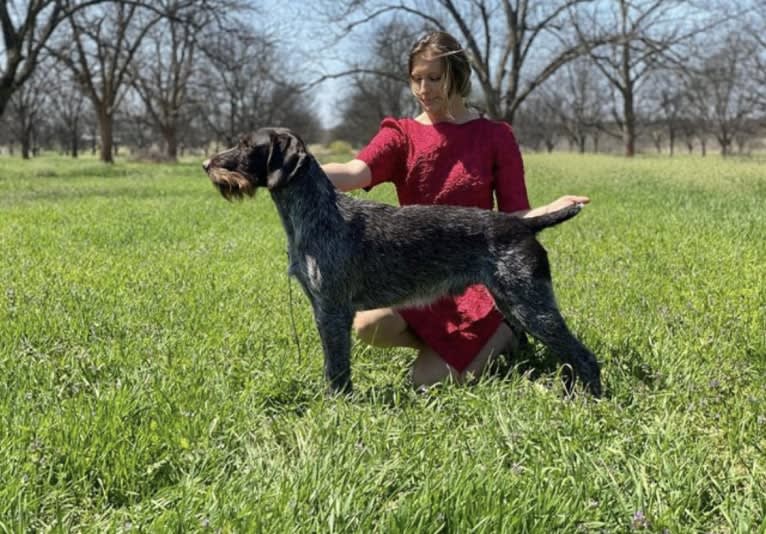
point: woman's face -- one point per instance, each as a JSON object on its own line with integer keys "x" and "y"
{"x": 427, "y": 84}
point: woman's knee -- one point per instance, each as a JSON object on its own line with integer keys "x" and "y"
{"x": 428, "y": 369}
{"x": 364, "y": 327}
{"x": 378, "y": 327}
{"x": 502, "y": 341}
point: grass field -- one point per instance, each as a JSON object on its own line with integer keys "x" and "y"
{"x": 149, "y": 379}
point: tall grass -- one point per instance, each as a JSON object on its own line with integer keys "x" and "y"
{"x": 149, "y": 379}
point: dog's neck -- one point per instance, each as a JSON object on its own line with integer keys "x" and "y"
{"x": 309, "y": 196}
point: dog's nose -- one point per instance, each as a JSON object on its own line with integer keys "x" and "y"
{"x": 206, "y": 165}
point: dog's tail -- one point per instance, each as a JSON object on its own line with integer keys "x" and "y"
{"x": 541, "y": 222}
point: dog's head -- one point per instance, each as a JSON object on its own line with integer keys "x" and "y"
{"x": 269, "y": 157}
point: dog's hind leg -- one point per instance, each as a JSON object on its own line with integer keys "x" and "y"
{"x": 334, "y": 327}
{"x": 531, "y": 302}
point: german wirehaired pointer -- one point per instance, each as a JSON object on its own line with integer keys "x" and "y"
{"x": 351, "y": 254}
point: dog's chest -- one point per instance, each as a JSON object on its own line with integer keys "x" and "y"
{"x": 306, "y": 268}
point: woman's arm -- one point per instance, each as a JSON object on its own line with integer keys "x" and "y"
{"x": 353, "y": 174}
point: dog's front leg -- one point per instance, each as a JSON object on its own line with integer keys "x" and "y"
{"x": 334, "y": 325}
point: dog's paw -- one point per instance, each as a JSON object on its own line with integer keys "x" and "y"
{"x": 340, "y": 389}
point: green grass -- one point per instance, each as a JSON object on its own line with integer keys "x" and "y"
{"x": 149, "y": 379}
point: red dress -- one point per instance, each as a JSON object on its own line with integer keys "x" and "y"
{"x": 460, "y": 165}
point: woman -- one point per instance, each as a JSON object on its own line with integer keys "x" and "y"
{"x": 446, "y": 155}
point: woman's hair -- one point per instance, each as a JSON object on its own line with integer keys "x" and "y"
{"x": 457, "y": 68}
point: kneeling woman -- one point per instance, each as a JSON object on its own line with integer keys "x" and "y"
{"x": 446, "y": 155}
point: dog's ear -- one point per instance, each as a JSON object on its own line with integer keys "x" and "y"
{"x": 287, "y": 156}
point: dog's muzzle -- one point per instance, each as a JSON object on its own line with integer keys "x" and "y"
{"x": 231, "y": 184}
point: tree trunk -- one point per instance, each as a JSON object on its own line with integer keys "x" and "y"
{"x": 672, "y": 141}
{"x": 25, "y": 146}
{"x": 105, "y": 125}
{"x": 550, "y": 146}
{"x": 75, "y": 142}
{"x": 725, "y": 146}
{"x": 171, "y": 140}
{"x": 629, "y": 128}
{"x": 492, "y": 103}
{"x": 26, "y": 141}
{"x": 5, "y": 96}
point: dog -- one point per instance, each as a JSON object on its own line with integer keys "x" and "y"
{"x": 350, "y": 254}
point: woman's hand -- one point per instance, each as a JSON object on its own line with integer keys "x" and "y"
{"x": 556, "y": 205}
{"x": 565, "y": 201}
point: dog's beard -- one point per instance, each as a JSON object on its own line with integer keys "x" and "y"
{"x": 231, "y": 184}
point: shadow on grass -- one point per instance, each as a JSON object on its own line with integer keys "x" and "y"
{"x": 293, "y": 397}
{"x": 627, "y": 359}
{"x": 537, "y": 363}
{"x": 533, "y": 362}
{"x": 392, "y": 396}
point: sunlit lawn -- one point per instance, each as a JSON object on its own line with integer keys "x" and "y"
{"x": 149, "y": 377}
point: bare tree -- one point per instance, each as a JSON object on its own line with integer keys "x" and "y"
{"x": 375, "y": 96}
{"x": 672, "y": 105}
{"x": 289, "y": 107}
{"x": 167, "y": 63}
{"x": 668, "y": 107}
{"x": 537, "y": 123}
{"x": 514, "y": 45}
{"x": 689, "y": 128}
{"x": 162, "y": 74}
{"x": 241, "y": 89}
{"x": 756, "y": 30}
{"x": 137, "y": 129}
{"x": 28, "y": 26}
{"x": 26, "y": 111}
{"x": 103, "y": 44}
{"x": 576, "y": 95}
{"x": 235, "y": 82}
{"x": 722, "y": 89}
{"x": 646, "y": 36}
{"x": 68, "y": 111}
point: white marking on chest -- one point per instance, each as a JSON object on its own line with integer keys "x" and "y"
{"x": 312, "y": 269}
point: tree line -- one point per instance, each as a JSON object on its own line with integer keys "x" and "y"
{"x": 163, "y": 76}
{"x": 168, "y": 73}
